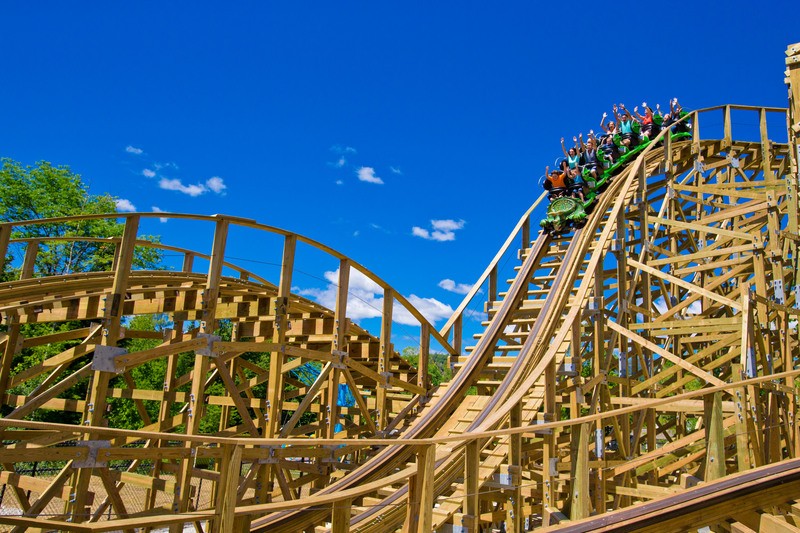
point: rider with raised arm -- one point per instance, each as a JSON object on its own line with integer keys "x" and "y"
{"x": 607, "y": 145}
{"x": 555, "y": 182}
{"x": 572, "y": 155}
{"x": 649, "y": 128}
{"x": 590, "y": 159}
{"x": 629, "y": 137}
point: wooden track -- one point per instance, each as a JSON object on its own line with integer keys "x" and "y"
{"x": 637, "y": 374}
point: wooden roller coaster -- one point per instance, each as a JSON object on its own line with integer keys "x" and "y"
{"x": 637, "y": 374}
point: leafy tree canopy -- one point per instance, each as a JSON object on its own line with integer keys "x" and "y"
{"x": 47, "y": 191}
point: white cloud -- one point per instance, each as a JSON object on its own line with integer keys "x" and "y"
{"x": 452, "y": 286}
{"x": 216, "y": 184}
{"x": 124, "y": 205}
{"x": 395, "y": 170}
{"x": 431, "y": 308}
{"x": 447, "y": 225}
{"x": 355, "y": 233}
{"x": 420, "y": 232}
{"x": 368, "y": 174}
{"x": 365, "y": 300}
{"x": 443, "y": 230}
{"x": 132, "y": 150}
{"x": 340, "y": 163}
{"x": 339, "y": 182}
{"x": 147, "y": 173}
{"x": 157, "y": 210}
{"x": 339, "y": 149}
{"x": 176, "y": 185}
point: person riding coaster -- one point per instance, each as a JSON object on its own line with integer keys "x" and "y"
{"x": 628, "y": 128}
{"x": 650, "y": 128}
{"x": 592, "y": 161}
{"x": 556, "y": 183}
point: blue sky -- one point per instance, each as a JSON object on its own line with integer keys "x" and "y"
{"x": 354, "y": 123}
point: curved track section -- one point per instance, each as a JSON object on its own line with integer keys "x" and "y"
{"x": 649, "y": 351}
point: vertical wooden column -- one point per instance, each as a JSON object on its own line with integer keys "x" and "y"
{"x": 458, "y": 334}
{"x": 471, "y": 503}
{"x": 514, "y": 503}
{"x": 696, "y": 135}
{"x": 492, "y": 292}
{"x": 228, "y": 485}
{"x": 549, "y": 453}
{"x": 727, "y": 140}
{"x": 581, "y": 501}
{"x": 5, "y": 237}
{"x": 426, "y": 469}
{"x": 340, "y": 521}
{"x": 384, "y": 357}
{"x": 715, "y": 445}
{"x": 97, "y": 395}
{"x": 275, "y": 387}
{"x": 793, "y": 177}
{"x": 424, "y": 355}
{"x": 195, "y": 407}
{"x": 339, "y": 343}
{"x": 743, "y": 453}
{"x": 526, "y": 233}
{"x": 12, "y": 321}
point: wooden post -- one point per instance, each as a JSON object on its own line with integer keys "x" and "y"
{"x": 384, "y": 357}
{"x": 228, "y": 485}
{"x": 549, "y": 453}
{"x": 471, "y": 483}
{"x": 340, "y": 522}
{"x": 581, "y": 501}
{"x": 339, "y": 343}
{"x": 277, "y": 357}
{"x": 426, "y": 468}
{"x": 526, "y": 233}
{"x": 715, "y": 444}
{"x": 458, "y": 334}
{"x": 727, "y": 140}
{"x": 424, "y": 355}
{"x": 5, "y": 236}
{"x": 514, "y": 505}
{"x": 492, "y": 292}
{"x": 96, "y": 405}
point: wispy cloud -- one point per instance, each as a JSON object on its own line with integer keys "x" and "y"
{"x": 368, "y": 174}
{"x": 396, "y": 170}
{"x": 147, "y": 173}
{"x": 339, "y": 182}
{"x": 177, "y": 185}
{"x": 216, "y": 184}
{"x": 365, "y": 300}
{"x": 158, "y": 210}
{"x": 133, "y": 150}
{"x": 339, "y": 149}
{"x": 452, "y": 286}
{"x": 442, "y": 230}
{"x": 124, "y": 206}
{"x": 340, "y": 163}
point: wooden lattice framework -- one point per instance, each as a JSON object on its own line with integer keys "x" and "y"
{"x": 639, "y": 373}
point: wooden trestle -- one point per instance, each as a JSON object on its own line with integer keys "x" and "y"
{"x": 639, "y": 373}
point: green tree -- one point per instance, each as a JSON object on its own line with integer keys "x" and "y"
{"x": 47, "y": 191}
{"x": 438, "y": 367}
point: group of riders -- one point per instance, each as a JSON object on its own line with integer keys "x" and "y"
{"x": 619, "y": 136}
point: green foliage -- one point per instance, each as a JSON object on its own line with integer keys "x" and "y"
{"x": 438, "y": 367}
{"x": 47, "y": 191}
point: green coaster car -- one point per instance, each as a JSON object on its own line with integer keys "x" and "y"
{"x": 565, "y": 211}
{"x": 561, "y": 213}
